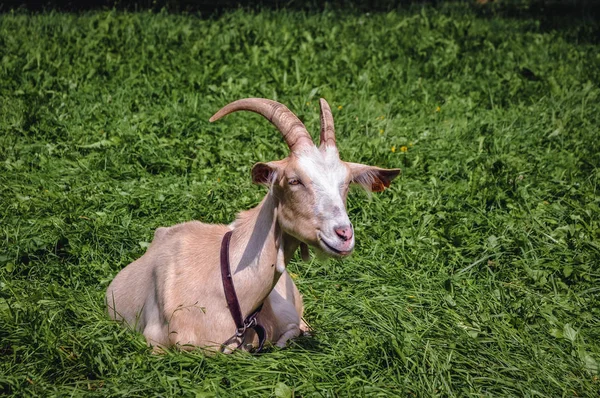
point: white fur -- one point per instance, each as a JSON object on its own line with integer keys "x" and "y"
{"x": 328, "y": 176}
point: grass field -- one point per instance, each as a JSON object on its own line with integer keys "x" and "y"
{"x": 476, "y": 274}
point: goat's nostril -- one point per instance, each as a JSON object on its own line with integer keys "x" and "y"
{"x": 345, "y": 233}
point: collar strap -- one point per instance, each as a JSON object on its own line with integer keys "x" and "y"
{"x": 241, "y": 324}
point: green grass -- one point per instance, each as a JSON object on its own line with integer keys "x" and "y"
{"x": 475, "y": 274}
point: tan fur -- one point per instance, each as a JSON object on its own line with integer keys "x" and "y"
{"x": 173, "y": 294}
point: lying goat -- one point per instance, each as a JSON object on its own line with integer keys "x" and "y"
{"x": 181, "y": 291}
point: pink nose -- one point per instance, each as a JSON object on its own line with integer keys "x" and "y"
{"x": 345, "y": 233}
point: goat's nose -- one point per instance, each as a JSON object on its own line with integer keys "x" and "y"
{"x": 345, "y": 232}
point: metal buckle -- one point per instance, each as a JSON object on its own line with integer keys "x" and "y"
{"x": 241, "y": 331}
{"x": 250, "y": 323}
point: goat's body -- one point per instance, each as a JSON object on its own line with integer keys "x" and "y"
{"x": 173, "y": 294}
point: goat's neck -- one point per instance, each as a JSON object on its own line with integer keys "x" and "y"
{"x": 259, "y": 253}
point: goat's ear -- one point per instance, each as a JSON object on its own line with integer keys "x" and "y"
{"x": 266, "y": 173}
{"x": 371, "y": 178}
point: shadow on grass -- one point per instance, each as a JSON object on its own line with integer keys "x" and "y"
{"x": 305, "y": 342}
{"x": 309, "y": 343}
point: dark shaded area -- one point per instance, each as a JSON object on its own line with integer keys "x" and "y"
{"x": 552, "y": 14}
{"x": 513, "y": 8}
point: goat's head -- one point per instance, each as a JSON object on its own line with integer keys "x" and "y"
{"x": 312, "y": 183}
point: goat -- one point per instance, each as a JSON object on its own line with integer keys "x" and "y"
{"x": 174, "y": 294}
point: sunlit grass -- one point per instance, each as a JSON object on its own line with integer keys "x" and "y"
{"x": 476, "y": 273}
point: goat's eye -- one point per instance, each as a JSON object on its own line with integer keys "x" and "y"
{"x": 294, "y": 181}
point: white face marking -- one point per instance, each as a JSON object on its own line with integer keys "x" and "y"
{"x": 327, "y": 175}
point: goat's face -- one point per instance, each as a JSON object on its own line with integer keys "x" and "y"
{"x": 311, "y": 185}
{"x": 311, "y": 188}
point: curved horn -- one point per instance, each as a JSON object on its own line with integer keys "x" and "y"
{"x": 293, "y": 130}
{"x": 327, "y": 128}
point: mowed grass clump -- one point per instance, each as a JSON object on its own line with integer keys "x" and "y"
{"x": 476, "y": 273}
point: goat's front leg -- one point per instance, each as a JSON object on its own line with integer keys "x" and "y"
{"x": 282, "y": 312}
{"x": 292, "y": 332}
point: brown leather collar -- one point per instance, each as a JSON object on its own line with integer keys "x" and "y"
{"x": 241, "y": 324}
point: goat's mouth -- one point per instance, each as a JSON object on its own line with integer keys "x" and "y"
{"x": 328, "y": 247}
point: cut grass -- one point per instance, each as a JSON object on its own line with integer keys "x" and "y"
{"x": 476, "y": 273}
